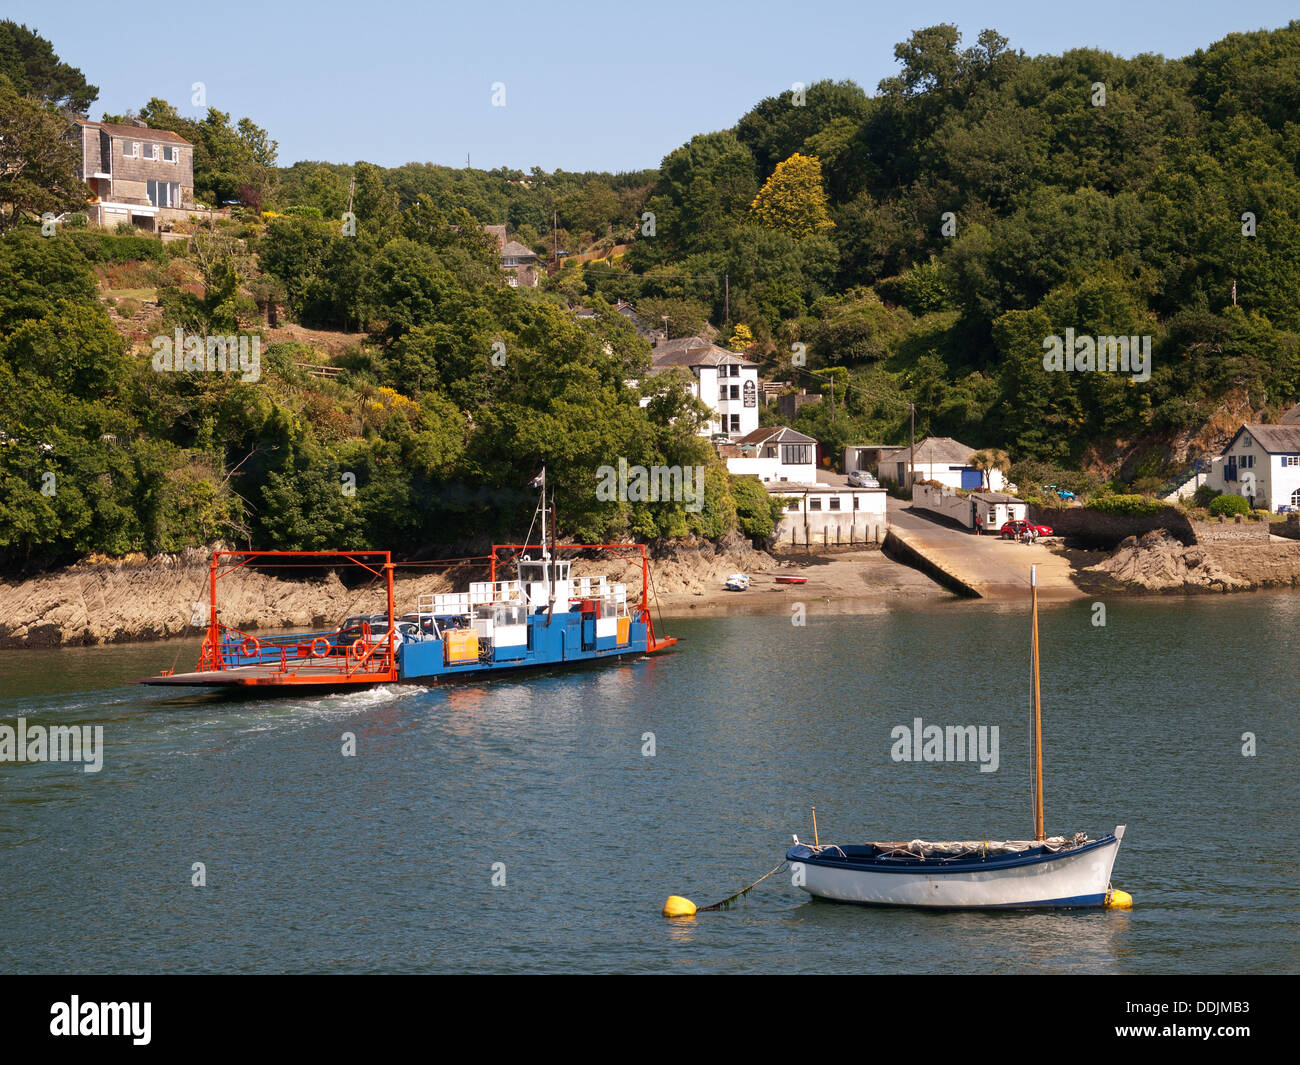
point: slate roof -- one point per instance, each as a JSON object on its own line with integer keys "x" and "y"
{"x": 1275, "y": 439}
{"x": 695, "y": 351}
{"x": 140, "y": 133}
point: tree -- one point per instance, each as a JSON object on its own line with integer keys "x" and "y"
{"x": 988, "y": 460}
{"x": 793, "y": 200}
{"x": 29, "y": 62}
{"x": 38, "y": 165}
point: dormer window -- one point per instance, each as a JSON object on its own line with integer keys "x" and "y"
{"x": 170, "y": 154}
{"x": 1245, "y": 440}
{"x": 150, "y": 151}
{"x": 130, "y": 149}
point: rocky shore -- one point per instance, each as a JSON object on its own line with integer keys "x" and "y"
{"x": 101, "y": 601}
{"x": 1158, "y": 562}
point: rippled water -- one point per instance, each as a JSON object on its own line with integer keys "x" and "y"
{"x": 385, "y": 861}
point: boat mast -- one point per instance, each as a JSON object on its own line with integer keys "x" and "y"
{"x": 1038, "y": 715}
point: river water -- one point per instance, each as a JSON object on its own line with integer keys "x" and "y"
{"x": 525, "y": 826}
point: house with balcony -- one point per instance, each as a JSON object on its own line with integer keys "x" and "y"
{"x": 723, "y": 381}
{"x": 775, "y": 455}
{"x": 137, "y": 175}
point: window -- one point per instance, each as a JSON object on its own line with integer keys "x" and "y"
{"x": 1246, "y": 462}
{"x": 733, "y": 392}
{"x": 796, "y": 454}
{"x": 1295, "y": 498}
{"x": 834, "y": 502}
{"x": 733, "y": 370}
{"x": 735, "y": 423}
{"x": 814, "y": 504}
{"x": 1291, "y": 460}
{"x": 171, "y": 153}
{"x": 130, "y": 149}
{"x": 150, "y": 151}
{"x": 857, "y": 502}
{"x": 164, "y": 193}
{"x": 793, "y": 505}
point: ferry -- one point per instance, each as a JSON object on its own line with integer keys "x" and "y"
{"x": 541, "y": 616}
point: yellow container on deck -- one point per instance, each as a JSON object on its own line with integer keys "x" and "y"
{"x": 624, "y": 628}
{"x": 461, "y": 646}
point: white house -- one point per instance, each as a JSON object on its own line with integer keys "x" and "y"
{"x": 937, "y": 458}
{"x": 724, "y": 382}
{"x": 829, "y": 514}
{"x": 773, "y": 455}
{"x": 993, "y": 508}
{"x": 1262, "y": 463}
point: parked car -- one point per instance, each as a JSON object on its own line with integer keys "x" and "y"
{"x": 1014, "y": 530}
{"x": 862, "y": 479}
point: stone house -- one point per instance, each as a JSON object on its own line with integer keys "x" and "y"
{"x": 138, "y": 175}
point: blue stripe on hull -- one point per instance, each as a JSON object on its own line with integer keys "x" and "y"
{"x": 1076, "y": 902}
{"x": 558, "y": 644}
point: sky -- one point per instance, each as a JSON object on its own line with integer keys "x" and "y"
{"x": 584, "y": 86}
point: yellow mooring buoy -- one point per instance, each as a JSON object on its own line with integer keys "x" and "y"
{"x": 1118, "y": 900}
{"x": 676, "y": 906}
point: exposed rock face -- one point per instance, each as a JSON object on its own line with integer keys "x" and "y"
{"x": 1158, "y": 562}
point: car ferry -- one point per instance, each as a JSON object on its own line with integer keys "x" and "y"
{"x": 541, "y": 616}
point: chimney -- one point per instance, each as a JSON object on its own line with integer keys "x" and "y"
{"x": 140, "y": 122}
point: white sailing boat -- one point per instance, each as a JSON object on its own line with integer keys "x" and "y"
{"x": 974, "y": 874}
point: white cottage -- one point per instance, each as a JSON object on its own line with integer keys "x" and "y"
{"x": 724, "y": 382}
{"x": 1262, "y": 463}
{"x": 773, "y": 455}
{"x": 829, "y": 514}
{"x": 937, "y": 458}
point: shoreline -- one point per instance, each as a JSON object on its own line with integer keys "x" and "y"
{"x": 99, "y": 602}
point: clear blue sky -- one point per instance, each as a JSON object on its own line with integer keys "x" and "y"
{"x": 589, "y": 86}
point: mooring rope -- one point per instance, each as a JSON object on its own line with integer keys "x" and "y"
{"x": 726, "y": 903}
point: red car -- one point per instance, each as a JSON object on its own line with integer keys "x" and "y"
{"x": 1014, "y": 530}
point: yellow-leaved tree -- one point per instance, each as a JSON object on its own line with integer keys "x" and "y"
{"x": 793, "y": 200}
{"x": 741, "y": 338}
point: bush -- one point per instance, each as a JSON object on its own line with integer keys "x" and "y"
{"x": 1205, "y": 495}
{"x": 1229, "y": 505}
{"x": 757, "y": 510}
{"x": 1127, "y": 505}
{"x": 101, "y": 247}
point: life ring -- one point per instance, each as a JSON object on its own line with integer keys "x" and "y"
{"x": 250, "y": 647}
{"x": 358, "y": 646}
{"x": 323, "y": 645}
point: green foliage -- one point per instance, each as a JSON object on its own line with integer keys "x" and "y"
{"x": 29, "y": 62}
{"x": 757, "y": 511}
{"x": 1126, "y": 505}
{"x": 39, "y": 165}
{"x": 1228, "y": 505}
{"x": 1205, "y": 495}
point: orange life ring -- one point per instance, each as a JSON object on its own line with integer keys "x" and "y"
{"x": 324, "y": 645}
{"x": 250, "y": 647}
{"x": 358, "y": 646}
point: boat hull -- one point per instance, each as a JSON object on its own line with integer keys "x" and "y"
{"x": 1078, "y": 877}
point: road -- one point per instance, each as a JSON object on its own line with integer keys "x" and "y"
{"x": 989, "y": 566}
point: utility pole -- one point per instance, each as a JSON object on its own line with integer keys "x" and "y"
{"x": 911, "y": 446}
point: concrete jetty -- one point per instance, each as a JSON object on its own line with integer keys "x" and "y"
{"x": 986, "y": 567}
